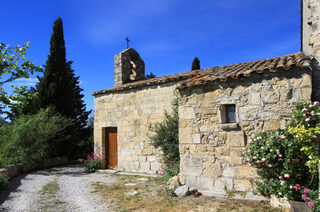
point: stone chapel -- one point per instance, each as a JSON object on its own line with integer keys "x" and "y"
{"x": 219, "y": 108}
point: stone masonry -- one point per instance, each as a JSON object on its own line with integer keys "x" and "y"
{"x": 128, "y": 67}
{"x": 210, "y": 150}
{"x": 131, "y": 112}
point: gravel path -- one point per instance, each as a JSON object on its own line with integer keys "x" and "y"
{"x": 75, "y": 193}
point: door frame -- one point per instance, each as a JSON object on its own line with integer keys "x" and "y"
{"x": 105, "y": 162}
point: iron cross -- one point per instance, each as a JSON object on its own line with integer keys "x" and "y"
{"x": 127, "y": 39}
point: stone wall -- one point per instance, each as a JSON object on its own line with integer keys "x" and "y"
{"x": 131, "y": 112}
{"x": 210, "y": 150}
{"x": 311, "y": 39}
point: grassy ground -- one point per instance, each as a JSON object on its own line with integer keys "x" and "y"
{"x": 49, "y": 200}
{"x": 152, "y": 196}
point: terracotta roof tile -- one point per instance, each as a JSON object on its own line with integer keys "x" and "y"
{"x": 235, "y": 71}
{"x": 246, "y": 69}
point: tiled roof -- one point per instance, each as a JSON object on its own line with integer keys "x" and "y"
{"x": 202, "y": 76}
{"x": 236, "y": 71}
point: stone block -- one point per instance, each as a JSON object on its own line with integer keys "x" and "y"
{"x": 192, "y": 165}
{"x": 213, "y": 170}
{"x": 213, "y": 94}
{"x": 271, "y": 125}
{"x": 305, "y": 93}
{"x": 145, "y": 166}
{"x": 187, "y": 113}
{"x": 247, "y": 172}
{"x": 155, "y": 166}
{"x": 235, "y": 139}
{"x": 314, "y": 38}
{"x": 204, "y": 183}
{"x": 229, "y": 172}
{"x": 255, "y": 99}
{"x": 185, "y": 135}
{"x": 242, "y": 185}
{"x": 220, "y": 185}
{"x": 196, "y": 138}
{"x": 191, "y": 181}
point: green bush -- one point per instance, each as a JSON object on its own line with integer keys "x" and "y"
{"x": 94, "y": 162}
{"x": 3, "y": 181}
{"x": 30, "y": 139}
{"x": 168, "y": 170}
{"x": 165, "y": 135}
{"x": 287, "y": 157}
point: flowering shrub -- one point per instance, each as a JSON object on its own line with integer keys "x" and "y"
{"x": 310, "y": 197}
{"x": 305, "y": 126}
{"x": 168, "y": 170}
{"x": 282, "y": 156}
{"x": 3, "y": 181}
{"x": 94, "y": 162}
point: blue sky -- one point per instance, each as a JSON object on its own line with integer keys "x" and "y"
{"x": 168, "y": 34}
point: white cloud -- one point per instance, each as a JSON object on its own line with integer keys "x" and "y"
{"x": 25, "y": 82}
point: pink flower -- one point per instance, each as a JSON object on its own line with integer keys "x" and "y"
{"x": 287, "y": 176}
{"x": 263, "y": 160}
{"x": 280, "y": 177}
{"x": 283, "y": 137}
{"x": 311, "y": 106}
{"x": 304, "y": 110}
{"x": 310, "y": 204}
{"x": 310, "y": 157}
{"x": 249, "y": 151}
{"x": 269, "y": 165}
{"x": 281, "y": 182}
{"x": 271, "y": 150}
{"x": 316, "y": 103}
{"x": 297, "y": 187}
{"x": 255, "y": 158}
{"x": 297, "y": 160}
{"x": 307, "y": 120}
{"x": 249, "y": 141}
{"x": 306, "y": 191}
{"x": 304, "y": 197}
{"x": 314, "y": 137}
{"x": 271, "y": 180}
{"x": 249, "y": 164}
{"x": 248, "y": 159}
{"x": 241, "y": 158}
{"x": 285, "y": 198}
{"x": 280, "y": 156}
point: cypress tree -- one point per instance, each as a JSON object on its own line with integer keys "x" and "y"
{"x": 195, "y": 64}
{"x": 59, "y": 88}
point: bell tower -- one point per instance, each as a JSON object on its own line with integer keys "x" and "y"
{"x": 128, "y": 67}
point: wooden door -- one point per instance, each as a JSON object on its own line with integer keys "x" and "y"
{"x": 111, "y": 148}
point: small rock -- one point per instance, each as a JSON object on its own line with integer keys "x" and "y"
{"x": 173, "y": 183}
{"x": 131, "y": 193}
{"x": 182, "y": 179}
{"x": 182, "y": 191}
{"x": 130, "y": 184}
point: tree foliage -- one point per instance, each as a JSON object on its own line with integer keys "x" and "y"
{"x": 195, "y": 64}
{"x": 165, "y": 135}
{"x": 59, "y": 88}
{"x": 14, "y": 65}
{"x": 150, "y": 76}
{"x": 30, "y": 139}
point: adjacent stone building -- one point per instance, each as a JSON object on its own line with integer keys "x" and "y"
{"x": 219, "y": 108}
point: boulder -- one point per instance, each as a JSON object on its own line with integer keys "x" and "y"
{"x": 182, "y": 191}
